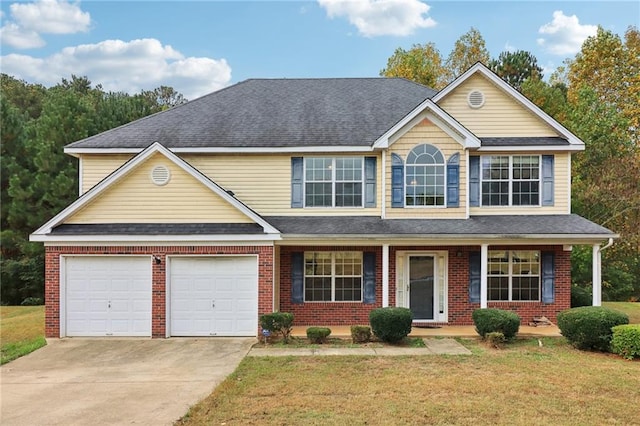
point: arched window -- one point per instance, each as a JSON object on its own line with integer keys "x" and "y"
{"x": 425, "y": 177}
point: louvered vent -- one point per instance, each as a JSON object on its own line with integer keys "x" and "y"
{"x": 476, "y": 99}
{"x": 160, "y": 175}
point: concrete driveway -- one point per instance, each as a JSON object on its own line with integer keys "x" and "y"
{"x": 115, "y": 381}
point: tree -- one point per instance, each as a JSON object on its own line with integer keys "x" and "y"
{"x": 468, "y": 49}
{"x": 516, "y": 67}
{"x": 551, "y": 98}
{"x": 421, "y": 63}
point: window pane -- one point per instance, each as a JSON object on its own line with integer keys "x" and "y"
{"x": 495, "y": 180}
{"x": 526, "y": 288}
{"x": 425, "y": 177}
{"x": 349, "y": 289}
{"x": 498, "y": 288}
{"x": 348, "y": 194}
{"x": 526, "y": 180}
{"x": 318, "y": 194}
{"x": 317, "y": 289}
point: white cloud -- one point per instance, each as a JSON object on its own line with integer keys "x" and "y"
{"x": 564, "y": 35}
{"x": 508, "y": 47}
{"x": 124, "y": 66}
{"x": 381, "y": 17}
{"x": 29, "y": 20}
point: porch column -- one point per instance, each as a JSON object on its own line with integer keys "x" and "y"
{"x": 385, "y": 275}
{"x": 484, "y": 261}
{"x": 597, "y": 277}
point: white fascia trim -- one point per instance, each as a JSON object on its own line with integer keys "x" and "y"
{"x": 153, "y": 239}
{"x": 428, "y": 109}
{"x": 479, "y": 67}
{"x": 130, "y": 165}
{"x": 224, "y": 150}
{"x": 556, "y": 148}
{"x": 447, "y": 239}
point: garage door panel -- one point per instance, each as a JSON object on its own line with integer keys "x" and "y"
{"x": 198, "y": 283}
{"x": 108, "y": 295}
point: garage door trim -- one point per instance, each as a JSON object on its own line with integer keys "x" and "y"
{"x": 63, "y": 282}
{"x": 200, "y": 256}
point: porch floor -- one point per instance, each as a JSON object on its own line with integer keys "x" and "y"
{"x": 440, "y": 331}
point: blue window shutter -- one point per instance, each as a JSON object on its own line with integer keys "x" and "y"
{"x": 297, "y": 171}
{"x": 297, "y": 277}
{"x": 547, "y": 180}
{"x": 370, "y": 181}
{"x": 474, "y": 276}
{"x": 397, "y": 181}
{"x": 369, "y": 277}
{"x": 453, "y": 181}
{"x": 548, "y": 276}
{"x": 474, "y": 181}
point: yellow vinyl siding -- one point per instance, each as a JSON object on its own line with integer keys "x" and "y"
{"x": 561, "y": 185}
{"x": 427, "y": 132}
{"x": 96, "y": 167}
{"x": 136, "y": 199}
{"x": 500, "y": 116}
{"x": 263, "y": 182}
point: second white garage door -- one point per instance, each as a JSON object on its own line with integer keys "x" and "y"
{"x": 214, "y": 296}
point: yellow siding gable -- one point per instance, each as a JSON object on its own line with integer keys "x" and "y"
{"x": 136, "y": 199}
{"x": 426, "y": 132}
{"x": 500, "y": 116}
{"x": 96, "y": 167}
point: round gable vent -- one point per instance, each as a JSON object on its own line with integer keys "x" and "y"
{"x": 475, "y": 99}
{"x": 160, "y": 175}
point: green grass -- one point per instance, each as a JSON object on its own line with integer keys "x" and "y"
{"x": 21, "y": 331}
{"x": 630, "y": 308}
{"x": 524, "y": 383}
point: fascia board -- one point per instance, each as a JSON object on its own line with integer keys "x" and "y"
{"x": 558, "y": 148}
{"x": 449, "y": 239}
{"x": 225, "y": 150}
{"x": 144, "y": 239}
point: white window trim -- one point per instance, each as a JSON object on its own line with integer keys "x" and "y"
{"x": 333, "y": 184}
{"x": 333, "y": 279}
{"x": 510, "y": 277}
{"x": 511, "y": 180}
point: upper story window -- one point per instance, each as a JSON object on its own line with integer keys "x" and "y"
{"x": 510, "y": 180}
{"x": 333, "y": 182}
{"x": 425, "y": 177}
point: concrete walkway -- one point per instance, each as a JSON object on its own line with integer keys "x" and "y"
{"x": 433, "y": 347}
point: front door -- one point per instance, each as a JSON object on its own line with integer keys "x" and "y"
{"x": 421, "y": 287}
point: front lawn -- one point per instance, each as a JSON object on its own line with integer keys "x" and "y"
{"x": 522, "y": 384}
{"x": 21, "y": 330}
{"x": 630, "y": 308}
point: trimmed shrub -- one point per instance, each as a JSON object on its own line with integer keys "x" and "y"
{"x": 360, "y": 333}
{"x": 496, "y": 320}
{"x": 32, "y": 301}
{"x": 626, "y": 341}
{"x": 496, "y": 339}
{"x": 278, "y": 322}
{"x": 580, "y": 296}
{"x": 318, "y": 334}
{"x": 391, "y": 324}
{"x": 589, "y": 327}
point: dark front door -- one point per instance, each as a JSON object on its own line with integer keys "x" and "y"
{"x": 421, "y": 290}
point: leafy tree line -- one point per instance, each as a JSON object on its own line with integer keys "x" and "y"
{"x": 37, "y": 179}
{"x": 596, "y": 95}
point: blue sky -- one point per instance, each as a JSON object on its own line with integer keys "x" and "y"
{"x": 201, "y": 46}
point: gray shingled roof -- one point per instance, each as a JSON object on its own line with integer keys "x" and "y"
{"x": 509, "y": 226}
{"x": 275, "y": 113}
{"x": 158, "y": 229}
{"x": 525, "y": 141}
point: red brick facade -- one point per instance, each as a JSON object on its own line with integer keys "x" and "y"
{"x": 314, "y": 313}
{"x": 158, "y": 299}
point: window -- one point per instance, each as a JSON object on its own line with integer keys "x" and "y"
{"x": 510, "y": 180}
{"x": 333, "y": 276}
{"x": 513, "y": 275}
{"x": 425, "y": 177}
{"x": 333, "y": 182}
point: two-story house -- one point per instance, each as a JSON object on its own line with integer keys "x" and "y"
{"x": 321, "y": 197}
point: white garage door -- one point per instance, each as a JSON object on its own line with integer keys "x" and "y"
{"x": 108, "y": 296}
{"x": 214, "y": 296}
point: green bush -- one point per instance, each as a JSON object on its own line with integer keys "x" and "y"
{"x": 278, "y": 322}
{"x": 32, "y": 301}
{"x": 391, "y": 324}
{"x": 496, "y": 339}
{"x": 496, "y": 320}
{"x": 589, "y": 327}
{"x": 318, "y": 334}
{"x": 580, "y": 296}
{"x": 360, "y": 333}
{"x": 626, "y": 341}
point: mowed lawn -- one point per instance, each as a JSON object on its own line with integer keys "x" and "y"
{"x": 21, "y": 330}
{"x": 531, "y": 381}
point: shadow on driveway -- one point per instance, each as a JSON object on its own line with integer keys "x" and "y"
{"x": 115, "y": 381}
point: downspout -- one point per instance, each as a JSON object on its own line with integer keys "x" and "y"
{"x": 384, "y": 184}
{"x": 597, "y": 271}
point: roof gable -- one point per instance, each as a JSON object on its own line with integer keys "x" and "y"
{"x": 514, "y": 99}
{"x": 89, "y": 203}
